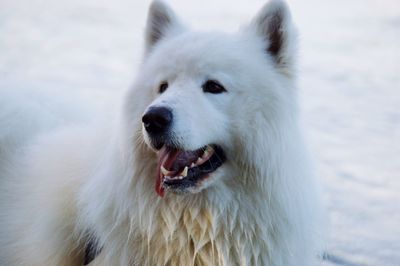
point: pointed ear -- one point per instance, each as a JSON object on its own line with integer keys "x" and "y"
{"x": 273, "y": 23}
{"x": 161, "y": 22}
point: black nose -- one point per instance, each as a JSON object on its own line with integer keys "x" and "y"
{"x": 157, "y": 120}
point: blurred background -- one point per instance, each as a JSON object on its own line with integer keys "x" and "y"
{"x": 349, "y": 90}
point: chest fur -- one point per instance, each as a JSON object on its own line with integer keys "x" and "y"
{"x": 198, "y": 237}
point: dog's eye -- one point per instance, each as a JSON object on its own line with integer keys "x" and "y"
{"x": 213, "y": 86}
{"x": 163, "y": 86}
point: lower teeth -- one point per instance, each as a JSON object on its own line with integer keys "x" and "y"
{"x": 173, "y": 178}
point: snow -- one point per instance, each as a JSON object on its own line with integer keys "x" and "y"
{"x": 349, "y": 80}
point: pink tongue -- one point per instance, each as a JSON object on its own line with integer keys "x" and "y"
{"x": 166, "y": 158}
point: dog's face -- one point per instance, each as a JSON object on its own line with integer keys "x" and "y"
{"x": 204, "y": 91}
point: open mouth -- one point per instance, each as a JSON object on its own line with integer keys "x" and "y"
{"x": 178, "y": 169}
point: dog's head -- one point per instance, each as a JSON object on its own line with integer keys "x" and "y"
{"x": 207, "y": 93}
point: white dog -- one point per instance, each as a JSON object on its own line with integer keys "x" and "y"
{"x": 205, "y": 166}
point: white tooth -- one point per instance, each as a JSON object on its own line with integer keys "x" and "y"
{"x": 199, "y": 161}
{"x": 184, "y": 172}
{"x": 164, "y": 171}
{"x": 167, "y": 177}
{"x": 180, "y": 177}
{"x": 192, "y": 165}
{"x": 205, "y": 154}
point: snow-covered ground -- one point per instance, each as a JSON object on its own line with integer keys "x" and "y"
{"x": 349, "y": 81}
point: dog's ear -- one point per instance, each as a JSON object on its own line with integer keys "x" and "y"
{"x": 161, "y": 23}
{"x": 274, "y": 25}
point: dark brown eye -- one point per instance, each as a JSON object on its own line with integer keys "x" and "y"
{"x": 213, "y": 86}
{"x": 163, "y": 87}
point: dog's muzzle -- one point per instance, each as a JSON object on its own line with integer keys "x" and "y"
{"x": 178, "y": 170}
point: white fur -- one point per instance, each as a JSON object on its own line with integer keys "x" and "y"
{"x": 259, "y": 208}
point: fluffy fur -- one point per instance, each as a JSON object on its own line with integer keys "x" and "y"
{"x": 65, "y": 187}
